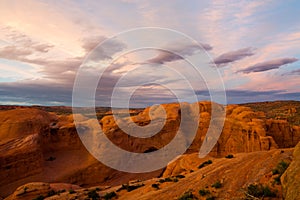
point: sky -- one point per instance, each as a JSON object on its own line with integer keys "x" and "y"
{"x": 253, "y": 45}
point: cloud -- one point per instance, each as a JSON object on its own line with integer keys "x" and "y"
{"x": 294, "y": 72}
{"x": 23, "y": 41}
{"x": 91, "y": 42}
{"x": 177, "y": 52}
{"x": 237, "y": 96}
{"x": 14, "y": 52}
{"x": 21, "y": 46}
{"x": 35, "y": 92}
{"x": 105, "y": 51}
{"x": 43, "y": 48}
{"x": 233, "y": 56}
{"x": 245, "y": 96}
{"x": 268, "y": 65}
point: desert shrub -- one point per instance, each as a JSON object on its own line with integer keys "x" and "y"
{"x": 129, "y": 188}
{"x": 217, "y": 185}
{"x": 275, "y": 171}
{"x": 187, "y": 196}
{"x": 109, "y": 195}
{"x": 51, "y": 158}
{"x": 180, "y": 176}
{"x": 71, "y": 191}
{"x": 168, "y": 179}
{"x": 259, "y": 190}
{"x": 93, "y": 195}
{"x": 156, "y": 186}
{"x": 204, "y": 192}
{"x": 280, "y": 169}
{"x": 208, "y": 162}
{"x": 40, "y": 197}
{"x": 211, "y": 198}
{"x": 277, "y": 179}
{"x": 51, "y": 193}
{"x": 229, "y": 156}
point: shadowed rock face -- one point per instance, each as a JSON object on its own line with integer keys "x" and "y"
{"x": 39, "y": 146}
{"x": 44, "y": 147}
{"x": 283, "y": 133}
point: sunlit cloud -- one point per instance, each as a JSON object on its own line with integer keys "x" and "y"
{"x": 43, "y": 44}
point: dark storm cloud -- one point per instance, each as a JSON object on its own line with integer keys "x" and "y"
{"x": 268, "y": 65}
{"x": 177, "y": 52}
{"x": 233, "y": 56}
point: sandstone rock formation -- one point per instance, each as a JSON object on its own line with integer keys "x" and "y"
{"x": 234, "y": 175}
{"x": 39, "y": 146}
{"x": 33, "y": 190}
{"x": 291, "y": 178}
{"x": 36, "y": 145}
{"x": 283, "y": 133}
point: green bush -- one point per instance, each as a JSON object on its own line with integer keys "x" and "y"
{"x": 168, "y": 179}
{"x": 208, "y": 162}
{"x": 275, "y": 171}
{"x": 259, "y": 190}
{"x": 280, "y": 169}
{"x": 109, "y": 195}
{"x": 129, "y": 188}
{"x": 71, "y": 191}
{"x": 156, "y": 186}
{"x": 180, "y": 176}
{"x": 217, "y": 185}
{"x": 93, "y": 195}
{"x": 204, "y": 192}
{"x": 40, "y": 197}
{"x": 277, "y": 179}
{"x": 229, "y": 156}
{"x": 51, "y": 193}
{"x": 210, "y": 198}
{"x": 51, "y": 158}
{"x": 187, "y": 196}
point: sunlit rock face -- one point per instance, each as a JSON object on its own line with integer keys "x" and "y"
{"x": 43, "y": 146}
{"x": 290, "y": 179}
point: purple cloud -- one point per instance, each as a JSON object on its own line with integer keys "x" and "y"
{"x": 177, "y": 53}
{"x": 268, "y": 65}
{"x": 233, "y": 56}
